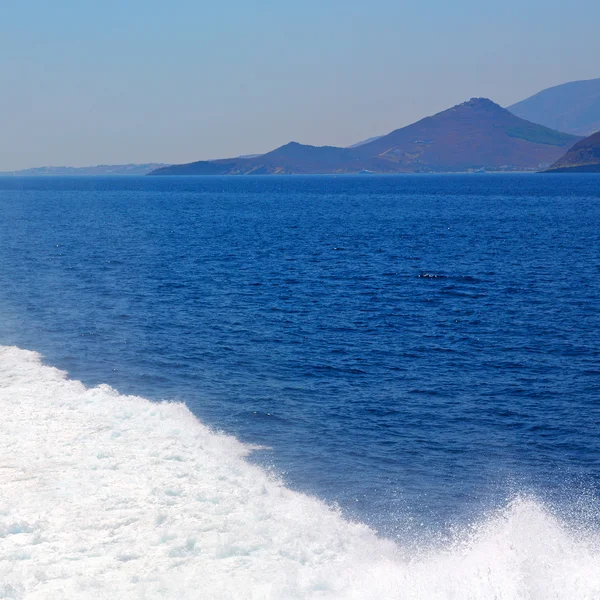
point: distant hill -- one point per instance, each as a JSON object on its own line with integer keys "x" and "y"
{"x": 477, "y": 134}
{"x": 583, "y": 157}
{"x": 293, "y": 158}
{"x": 472, "y": 136}
{"x": 572, "y": 107}
{"x": 88, "y": 171}
{"x": 363, "y": 142}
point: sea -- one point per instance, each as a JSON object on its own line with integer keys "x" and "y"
{"x": 300, "y": 387}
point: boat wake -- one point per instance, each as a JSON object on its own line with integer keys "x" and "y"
{"x": 111, "y": 496}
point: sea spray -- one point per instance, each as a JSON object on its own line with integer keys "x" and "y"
{"x": 111, "y": 496}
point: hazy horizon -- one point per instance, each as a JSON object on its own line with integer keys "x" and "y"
{"x": 136, "y": 83}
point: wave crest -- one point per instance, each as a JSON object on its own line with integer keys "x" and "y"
{"x": 112, "y": 496}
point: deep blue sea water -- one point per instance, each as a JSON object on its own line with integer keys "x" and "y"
{"x": 416, "y": 349}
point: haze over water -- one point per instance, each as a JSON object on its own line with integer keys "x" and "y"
{"x": 420, "y": 352}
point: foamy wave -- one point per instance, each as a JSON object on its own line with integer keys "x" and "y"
{"x": 111, "y": 496}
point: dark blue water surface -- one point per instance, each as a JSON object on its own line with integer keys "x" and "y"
{"x": 412, "y": 348}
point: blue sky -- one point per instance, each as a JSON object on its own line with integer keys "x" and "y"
{"x": 92, "y": 82}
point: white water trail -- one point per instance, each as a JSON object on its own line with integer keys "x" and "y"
{"x": 107, "y": 496}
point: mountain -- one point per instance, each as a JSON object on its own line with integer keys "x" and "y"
{"x": 583, "y": 157}
{"x": 293, "y": 158}
{"x": 472, "y": 136}
{"x": 572, "y": 107}
{"x": 363, "y": 142}
{"x": 477, "y": 134}
{"x": 95, "y": 171}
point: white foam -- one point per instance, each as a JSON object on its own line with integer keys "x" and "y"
{"x": 109, "y": 496}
